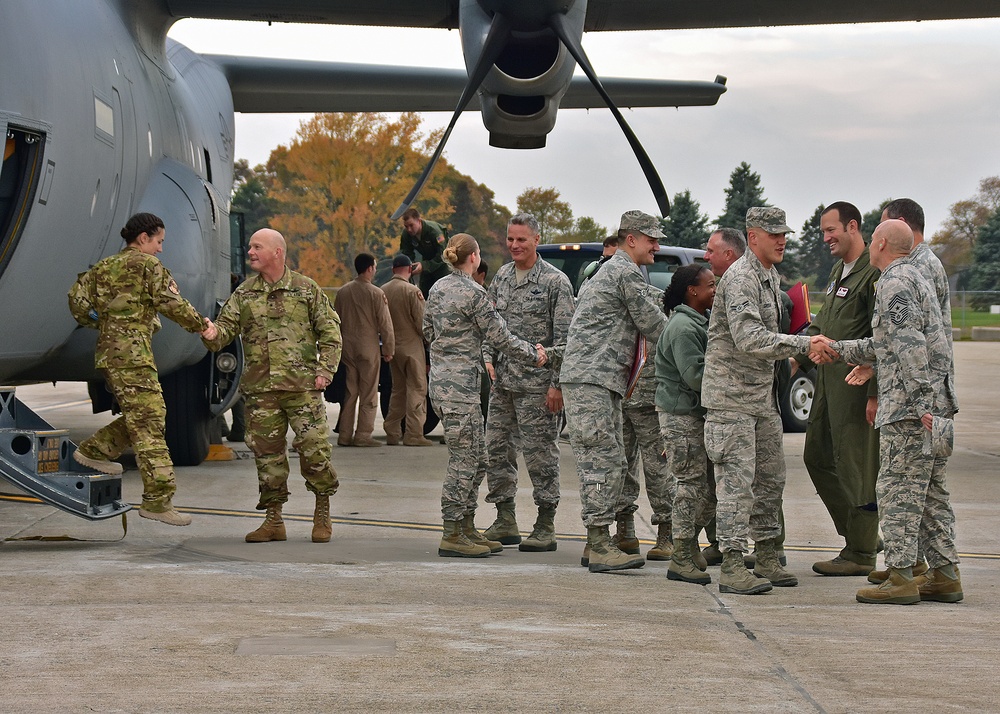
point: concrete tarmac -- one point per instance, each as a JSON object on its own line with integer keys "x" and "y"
{"x": 194, "y": 619}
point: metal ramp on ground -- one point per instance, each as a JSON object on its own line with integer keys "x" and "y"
{"x": 39, "y": 459}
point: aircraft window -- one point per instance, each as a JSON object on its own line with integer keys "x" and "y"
{"x": 19, "y": 177}
{"x": 104, "y": 118}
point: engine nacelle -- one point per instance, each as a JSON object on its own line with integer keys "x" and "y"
{"x": 520, "y": 96}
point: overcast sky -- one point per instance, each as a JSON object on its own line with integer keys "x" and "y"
{"x": 857, "y": 113}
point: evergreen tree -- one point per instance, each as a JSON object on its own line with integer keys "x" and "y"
{"x": 251, "y": 196}
{"x": 810, "y": 256}
{"x": 687, "y": 226}
{"x": 744, "y": 192}
{"x": 870, "y": 221}
{"x": 985, "y": 271}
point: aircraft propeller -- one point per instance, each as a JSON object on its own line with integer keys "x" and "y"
{"x": 498, "y": 36}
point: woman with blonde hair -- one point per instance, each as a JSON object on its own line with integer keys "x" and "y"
{"x": 458, "y": 319}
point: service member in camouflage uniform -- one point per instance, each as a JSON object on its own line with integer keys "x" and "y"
{"x": 291, "y": 339}
{"x": 680, "y": 367}
{"x": 929, "y": 265}
{"x": 641, "y": 437}
{"x": 120, "y": 297}
{"x": 912, "y": 351}
{"x": 536, "y": 300}
{"x": 458, "y": 319}
{"x": 743, "y": 434}
{"x": 841, "y": 448}
{"x": 427, "y": 238}
{"x": 614, "y": 311}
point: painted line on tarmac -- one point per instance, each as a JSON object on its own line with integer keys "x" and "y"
{"x": 61, "y": 405}
{"x": 435, "y": 527}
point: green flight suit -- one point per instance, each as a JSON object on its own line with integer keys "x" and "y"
{"x": 431, "y": 244}
{"x": 841, "y": 449}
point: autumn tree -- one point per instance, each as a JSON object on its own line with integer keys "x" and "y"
{"x": 744, "y": 192}
{"x": 686, "y": 226}
{"x": 337, "y": 183}
{"x": 554, "y": 216}
{"x": 955, "y": 243}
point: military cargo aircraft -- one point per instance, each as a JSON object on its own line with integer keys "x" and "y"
{"x": 104, "y": 115}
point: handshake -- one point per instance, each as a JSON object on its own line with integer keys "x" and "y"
{"x": 821, "y": 350}
{"x": 211, "y": 331}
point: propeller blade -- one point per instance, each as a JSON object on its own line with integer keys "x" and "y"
{"x": 557, "y": 23}
{"x": 496, "y": 39}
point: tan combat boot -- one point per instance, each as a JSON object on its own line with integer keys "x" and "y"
{"x": 171, "y": 516}
{"x": 504, "y": 528}
{"x": 605, "y": 556}
{"x": 625, "y": 539}
{"x": 454, "y": 543}
{"x": 938, "y": 587}
{"x": 768, "y": 566}
{"x": 273, "y": 528}
{"x": 712, "y": 554}
{"x": 735, "y": 578}
{"x": 543, "y": 535}
{"x": 697, "y": 557}
{"x": 900, "y": 588}
{"x": 682, "y": 567}
{"x": 664, "y": 547}
{"x": 880, "y": 576}
{"x": 472, "y": 533}
{"x": 322, "y": 526}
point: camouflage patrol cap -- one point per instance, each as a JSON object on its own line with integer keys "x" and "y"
{"x": 770, "y": 219}
{"x": 641, "y": 223}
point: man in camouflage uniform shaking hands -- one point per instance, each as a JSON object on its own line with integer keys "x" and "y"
{"x": 120, "y": 297}
{"x": 291, "y": 337}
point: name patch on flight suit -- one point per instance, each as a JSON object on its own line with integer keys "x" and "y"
{"x": 842, "y": 291}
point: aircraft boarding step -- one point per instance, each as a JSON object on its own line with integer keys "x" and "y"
{"x": 39, "y": 459}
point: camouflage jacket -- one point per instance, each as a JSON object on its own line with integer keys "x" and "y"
{"x": 910, "y": 346}
{"x": 613, "y": 308}
{"x": 539, "y": 310}
{"x": 291, "y": 334}
{"x": 120, "y": 296}
{"x": 458, "y": 319}
{"x": 929, "y": 265}
{"x": 644, "y": 393}
{"x": 744, "y": 340}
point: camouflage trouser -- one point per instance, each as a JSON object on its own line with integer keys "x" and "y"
{"x": 913, "y": 501}
{"x": 594, "y": 420}
{"x": 463, "y": 433}
{"x": 360, "y": 394}
{"x": 841, "y": 456}
{"x": 641, "y": 435}
{"x": 684, "y": 437}
{"x": 749, "y": 476}
{"x": 522, "y": 419}
{"x": 269, "y": 415}
{"x": 140, "y": 426}
{"x": 408, "y": 401}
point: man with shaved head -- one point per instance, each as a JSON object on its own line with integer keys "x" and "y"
{"x": 911, "y": 348}
{"x": 292, "y": 344}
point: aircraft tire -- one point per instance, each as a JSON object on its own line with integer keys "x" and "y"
{"x": 188, "y": 416}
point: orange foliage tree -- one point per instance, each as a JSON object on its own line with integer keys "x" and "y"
{"x": 337, "y": 183}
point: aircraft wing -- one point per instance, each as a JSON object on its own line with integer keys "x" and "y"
{"x": 263, "y": 85}
{"x": 602, "y": 15}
